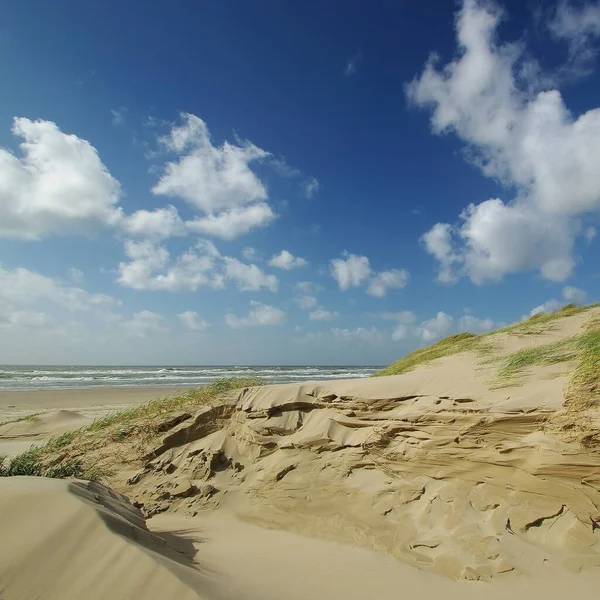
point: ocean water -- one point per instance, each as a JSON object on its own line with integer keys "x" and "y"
{"x": 65, "y": 377}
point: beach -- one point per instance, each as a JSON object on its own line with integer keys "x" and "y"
{"x": 467, "y": 468}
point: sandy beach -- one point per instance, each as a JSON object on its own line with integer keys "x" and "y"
{"x": 90, "y": 402}
{"x": 475, "y": 472}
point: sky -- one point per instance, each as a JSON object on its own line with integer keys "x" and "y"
{"x": 291, "y": 182}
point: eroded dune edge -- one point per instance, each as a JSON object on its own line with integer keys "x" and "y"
{"x": 447, "y": 468}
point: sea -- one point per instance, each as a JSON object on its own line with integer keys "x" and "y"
{"x": 70, "y": 377}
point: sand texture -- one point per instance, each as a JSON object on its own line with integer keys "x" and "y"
{"x": 441, "y": 482}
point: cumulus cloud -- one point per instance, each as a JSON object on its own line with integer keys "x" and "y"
{"x": 250, "y": 253}
{"x": 381, "y": 282}
{"x": 260, "y": 314}
{"x": 150, "y": 268}
{"x": 145, "y": 324}
{"x": 249, "y": 278}
{"x": 323, "y": 315}
{"x": 355, "y": 271}
{"x": 308, "y": 287}
{"x": 434, "y": 329}
{"x": 233, "y": 222}
{"x": 351, "y": 271}
{"x": 474, "y": 324}
{"x": 58, "y": 186}
{"x": 573, "y": 294}
{"x": 158, "y": 224}
{"x": 306, "y": 302}
{"x": 523, "y": 136}
{"x": 440, "y": 326}
{"x": 287, "y": 261}
{"x": 192, "y": 320}
{"x": 217, "y": 180}
{"x": 21, "y": 287}
{"x": 570, "y": 295}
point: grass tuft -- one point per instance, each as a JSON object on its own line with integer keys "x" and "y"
{"x": 514, "y": 365}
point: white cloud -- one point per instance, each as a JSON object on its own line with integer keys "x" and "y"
{"x": 287, "y": 261}
{"x": 381, "y": 282}
{"x": 306, "y": 302}
{"x": 20, "y": 287}
{"x": 118, "y": 115}
{"x": 150, "y": 268}
{"x": 75, "y": 275}
{"x": 260, "y": 314}
{"x": 577, "y": 25}
{"x": 548, "y": 307}
{"x": 250, "y": 253}
{"x": 489, "y": 96}
{"x": 438, "y": 242}
{"x": 234, "y": 222}
{"x": 476, "y": 325}
{"x": 352, "y": 64}
{"x": 401, "y": 332}
{"x": 24, "y": 319}
{"x": 158, "y": 224}
{"x": 217, "y": 180}
{"x": 308, "y": 287}
{"x": 352, "y": 271}
{"x": 322, "y": 315}
{"x": 573, "y": 294}
{"x": 372, "y": 335}
{"x": 438, "y": 327}
{"x": 145, "y": 323}
{"x": 311, "y": 186}
{"x": 59, "y": 186}
{"x": 249, "y": 278}
{"x": 570, "y": 294}
{"x": 192, "y": 320}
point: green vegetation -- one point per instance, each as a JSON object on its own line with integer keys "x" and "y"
{"x": 461, "y": 342}
{"x": 464, "y": 342}
{"x": 543, "y": 322}
{"x": 515, "y": 364}
{"x": 583, "y": 390}
{"x": 64, "y": 456}
{"x": 30, "y": 418}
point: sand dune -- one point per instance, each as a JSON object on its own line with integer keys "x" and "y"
{"x": 438, "y": 482}
{"x": 63, "y": 540}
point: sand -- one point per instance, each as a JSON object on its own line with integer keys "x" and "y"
{"x": 59, "y": 411}
{"x": 75, "y": 540}
{"x": 89, "y": 401}
{"x": 433, "y": 484}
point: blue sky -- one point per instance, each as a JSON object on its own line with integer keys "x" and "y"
{"x": 291, "y": 183}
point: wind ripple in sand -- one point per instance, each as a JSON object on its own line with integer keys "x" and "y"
{"x": 441, "y": 483}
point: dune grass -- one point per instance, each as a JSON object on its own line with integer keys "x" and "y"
{"x": 514, "y": 365}
{"x": 30, "y": 418}
{"x": 464, "y": 342}
{"x": 583, "y": 388}
{"x": 461, "y": 342}
{"x": 141, "y": 421}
